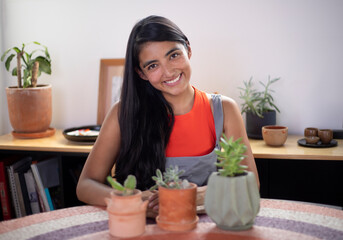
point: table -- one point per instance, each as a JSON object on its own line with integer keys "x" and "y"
{"x": 277, "y": 219}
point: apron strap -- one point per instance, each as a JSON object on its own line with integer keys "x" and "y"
{"x": 218, "y": 116}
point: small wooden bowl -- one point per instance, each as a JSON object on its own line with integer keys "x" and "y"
{"x": 312, "y": 139}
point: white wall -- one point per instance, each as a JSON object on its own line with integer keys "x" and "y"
{"x": 297, "y": 40}
{"x": 5, "y": 126}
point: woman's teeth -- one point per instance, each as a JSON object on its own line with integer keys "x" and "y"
{"x": 174, "y": 80}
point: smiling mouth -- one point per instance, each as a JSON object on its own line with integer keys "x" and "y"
{"x": 173, "y": 80}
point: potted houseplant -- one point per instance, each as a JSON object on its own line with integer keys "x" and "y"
{"x": 177, "y": 201}
{"x": 126, "y": 210}
{"x": 259, "y": 107}
{"x": 232, "y": 198}
{"x": 29, "y": 104}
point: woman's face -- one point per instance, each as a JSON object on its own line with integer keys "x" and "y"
{"x": 166, "y": 66}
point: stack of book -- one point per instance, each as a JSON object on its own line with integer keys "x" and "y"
{"x": 28, "y": 187}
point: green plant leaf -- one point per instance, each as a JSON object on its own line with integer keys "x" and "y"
{"x": 17, "y": 50}
{"x": 44, "y": 64}
{"x": 130, "y": 182}
{"x": 5, "y": 53}
{"x": 115, "y": 184}
{"x": 14, "y": 71}
{"x": 230, "y": 156}
{"x": 8, "y": 61}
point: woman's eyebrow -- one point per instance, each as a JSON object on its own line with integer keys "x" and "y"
{"x": 172, "y": 50}
{"x": 166, "y": 55}
{"x": 148, "y": 63}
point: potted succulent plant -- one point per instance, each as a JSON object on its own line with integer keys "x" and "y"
{"x": 29, "y": 104}
{"x": 232, "y": 198}
{"x": 126, "y": 210}
{"x": 177, "y": 201}
{"x": 259, "y": 107}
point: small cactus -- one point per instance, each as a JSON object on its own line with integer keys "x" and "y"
{"x": 170, "y": 179}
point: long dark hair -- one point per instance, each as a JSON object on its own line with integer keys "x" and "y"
{"x": 145, "y": 117}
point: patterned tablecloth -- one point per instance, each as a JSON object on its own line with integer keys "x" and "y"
{"x": 277, "y": 219}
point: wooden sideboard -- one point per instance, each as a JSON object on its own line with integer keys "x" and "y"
{"x": 291, "y": 150}
{"x": 300, "y": 173}
{"x": 289, "y": 172}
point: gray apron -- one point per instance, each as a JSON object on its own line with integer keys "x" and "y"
{"x": 198, "y": 169}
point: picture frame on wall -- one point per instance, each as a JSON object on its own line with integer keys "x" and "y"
{"x": 110, "y": 82}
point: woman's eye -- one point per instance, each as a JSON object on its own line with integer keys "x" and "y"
{"x": 174, "y": 55}
{"x": 151, "y": 66}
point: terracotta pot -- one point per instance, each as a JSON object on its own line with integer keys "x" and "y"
{"x": 232, "y": 202}
{"x": 177, "y": 208}
{"x": 274, "y": 135}
{"x": 126, "y": 214}
{"x": 30, "y": 109}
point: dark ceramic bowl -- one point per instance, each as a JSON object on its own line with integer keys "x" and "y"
{"x": 312, "y": 139}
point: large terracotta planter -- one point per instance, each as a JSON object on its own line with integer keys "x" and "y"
{"x": 126, "y": 214}
{"x": 30, "y": 109}
{"x": 232, "y": 202}
{"x": 177, "y": 208}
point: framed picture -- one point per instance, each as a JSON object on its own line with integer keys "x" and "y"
{"x": 110, "y": 81}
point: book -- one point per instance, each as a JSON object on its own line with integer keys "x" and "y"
{"x": 20, "y": 168}
{"x": 49, "y": 173}
{"x": 5, "y": 194}
{"x": 40, "y": 187}
{"x": 13, "y": 190}
{"x": 19, "y": 195}
{"x": 32, "y": 192}
{"x": 47, "y": 193}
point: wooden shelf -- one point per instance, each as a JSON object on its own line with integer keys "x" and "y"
{"x": 291, "y": 150}
{"x": 55, "y": 143}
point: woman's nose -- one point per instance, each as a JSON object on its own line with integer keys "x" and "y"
{"x": 167, "y": 71}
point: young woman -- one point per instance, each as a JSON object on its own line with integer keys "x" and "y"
{"x": 160, "y": 120}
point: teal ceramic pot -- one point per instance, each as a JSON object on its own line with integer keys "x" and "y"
{"x": 232, "y": 202}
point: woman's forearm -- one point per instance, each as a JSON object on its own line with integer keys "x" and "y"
{"x": 92, "y": 192}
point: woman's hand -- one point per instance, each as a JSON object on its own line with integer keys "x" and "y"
{"x": 152, "y": 197}
{"x": 201, "y": 195}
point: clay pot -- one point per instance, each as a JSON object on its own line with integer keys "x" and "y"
{"x": 30, "y": 109}
{"x": 126, "y": 214}
{"x": 232, "y": 202}
{"x": 325, "y": 135}
{"x": 177, "y": 208}
{"x": 310, "y": 131}
{"x": 275, "y": 135}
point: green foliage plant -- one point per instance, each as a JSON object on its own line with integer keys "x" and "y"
{"x": 170, "y": 179}
{"x": 230, "y": 157}
{"x": 129, "y": 185}
{"x": 255, "y": 101}
{"x": 34, "y": 63}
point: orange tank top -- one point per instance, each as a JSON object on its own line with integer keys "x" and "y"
{"x": 193, "y": 133}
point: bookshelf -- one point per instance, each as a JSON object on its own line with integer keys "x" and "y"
{"x": 70, "y": 158}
